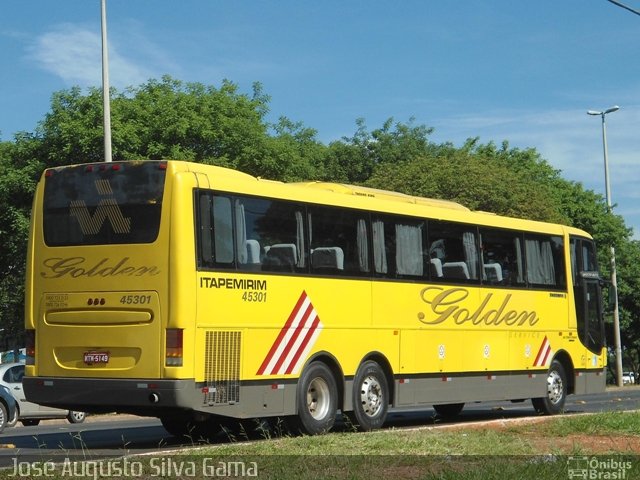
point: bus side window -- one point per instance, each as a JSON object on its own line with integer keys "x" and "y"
{"x": 453, "y": 252}
{"x": 338, "y": 241}
{"x": 545, "y": 261}
{"x": 502, "y": 257}
{"x": 215, "y": 234}
{"x": 398, "y": 247}
{"x": 269, "y": 235}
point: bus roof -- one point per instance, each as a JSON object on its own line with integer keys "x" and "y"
{"x": 383, "y": 194}
{"x": 385, "y": 200}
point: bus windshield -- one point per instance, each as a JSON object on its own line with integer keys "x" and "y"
{"x": 101, "y": 204}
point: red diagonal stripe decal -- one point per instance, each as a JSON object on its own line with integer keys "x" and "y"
{"x": 282, "y": 333}
{"x": 543, "y": 353}
{"x": 296, "y": 333}
{"x": 302, "y": 346}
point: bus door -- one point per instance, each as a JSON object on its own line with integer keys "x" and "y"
{"x": 588, "y": 294}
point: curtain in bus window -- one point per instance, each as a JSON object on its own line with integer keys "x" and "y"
{"x": 470, "y": 253}
{"x": 363, "y": 246}
{"x": 540, "y": 266}
{"x": 547, "y": 263}
{"x": 300, "y": 239}
{"x": 409, "y": 250}
{"x": 518, "y": 245}
{"x": 241, "y": 233}
{"x": 379, "y": 252}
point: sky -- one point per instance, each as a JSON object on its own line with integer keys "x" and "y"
{"x": 524, "y": 72}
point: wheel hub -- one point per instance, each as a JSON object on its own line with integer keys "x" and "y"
{"x": 318, "y": 398}
{"x": 555, "y": 387}
{"x": 371, "y": 396}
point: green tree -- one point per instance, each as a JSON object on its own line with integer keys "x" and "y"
{"x": 19, "y": 170}
{"x": 475, "y": 177}
{"x": 354, "y": 159}
{"x": 628, "y": 268}
{"x": 292, "y": 154}
{"x": 160, "y": 120}
{"x": 169, "y": 119}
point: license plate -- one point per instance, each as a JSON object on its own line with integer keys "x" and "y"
{"x": 96, "y": 357}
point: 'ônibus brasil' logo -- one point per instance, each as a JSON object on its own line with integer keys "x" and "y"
{"x": 294, "y": 341}
{"x": 107, "y": 209}
{"x": 450, "y": 305}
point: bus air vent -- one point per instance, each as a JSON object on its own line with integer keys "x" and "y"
{"x": 222, "y": 368}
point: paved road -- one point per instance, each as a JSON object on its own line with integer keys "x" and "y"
{"x": 115, "y": 435}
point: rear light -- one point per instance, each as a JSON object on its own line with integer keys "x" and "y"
{"x": 173, "y": 354}
{"x": 30, "y": 347}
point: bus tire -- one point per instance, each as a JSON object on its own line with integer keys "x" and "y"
{"x": 370, "y": 397}
{"x": 450, "y": 410}
{"x": 316, "y": 400}
{"x": 553, "y": 402}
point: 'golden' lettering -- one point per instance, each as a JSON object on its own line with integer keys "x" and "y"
{"x": 449, "y": 304}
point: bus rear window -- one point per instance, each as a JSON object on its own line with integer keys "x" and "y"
{"x": 99, "y": 204}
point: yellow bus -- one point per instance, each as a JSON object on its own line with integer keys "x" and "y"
{"x": 200, "y": 295}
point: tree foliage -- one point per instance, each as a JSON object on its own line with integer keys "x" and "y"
{"x": 170, "y": 119}
{"x": 475, "y": 176}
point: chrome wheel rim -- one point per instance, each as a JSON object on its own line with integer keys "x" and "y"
{"x": 371, "y": 396}
{"x": 318, "y": 398}
{"x": 555, "y": 387}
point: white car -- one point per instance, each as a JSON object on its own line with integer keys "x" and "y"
{"x": 628, "y": 378}
{"x": 27, "y": 412}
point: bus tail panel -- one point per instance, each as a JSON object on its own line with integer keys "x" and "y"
{"x": 98, "y": 334}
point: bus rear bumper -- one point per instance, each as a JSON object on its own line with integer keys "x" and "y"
{"x": 101, "y": 395}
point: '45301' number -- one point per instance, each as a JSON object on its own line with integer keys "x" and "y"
{"x": 135, "y": 299}
{"x": 254, "y": 296}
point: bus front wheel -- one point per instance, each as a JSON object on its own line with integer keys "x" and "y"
{"x": 553, "y": 402}
{"x": 316, "y": 399}
{"x": 370, "y": 396}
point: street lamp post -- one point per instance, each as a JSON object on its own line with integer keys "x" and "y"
{"x": 614, "y": 277}
{"x": 105, "y": 85}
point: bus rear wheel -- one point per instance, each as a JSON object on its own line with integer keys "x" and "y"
{"x": 553, "y": 402}
{"x": 316, "y": 400}
{"x": 370, "y": 397}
